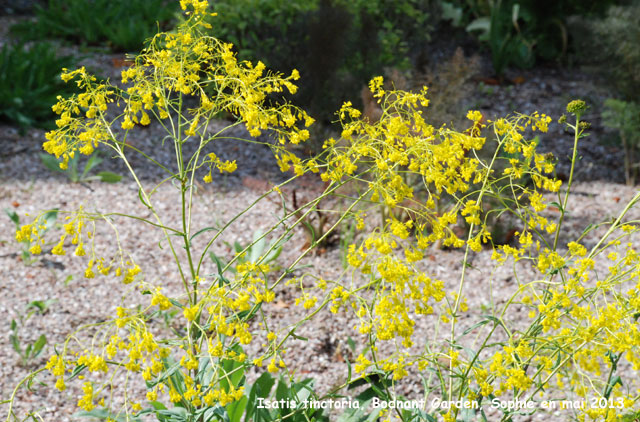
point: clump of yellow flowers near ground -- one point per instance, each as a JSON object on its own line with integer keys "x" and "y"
{"x": 426, "y": 181}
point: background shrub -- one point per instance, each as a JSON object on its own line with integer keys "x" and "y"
{"x": 122, "y": 25}
{"x": 337, "y": 45}
{"x": 522, "y": 32}
{"x": 611, "y": 44}
{"x": 29, "y": 83}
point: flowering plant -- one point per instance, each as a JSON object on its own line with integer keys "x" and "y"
{"x": 582, "y": 320}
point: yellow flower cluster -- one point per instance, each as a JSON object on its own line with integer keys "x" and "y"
{"x": 189, "y": 63}
{"x": 439, "y": 178}
{"x": 82, "y": 125}
{"x": 584, "y": 327}
{"x": 213, "y": 160}
{"x": 401, "y": 141}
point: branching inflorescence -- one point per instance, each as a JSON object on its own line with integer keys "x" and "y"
{"x": 448, "y": 186}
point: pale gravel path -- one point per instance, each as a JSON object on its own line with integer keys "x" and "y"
{"x": 25, "y": 188}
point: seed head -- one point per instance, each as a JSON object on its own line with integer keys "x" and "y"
{"x": 576, "y": 106}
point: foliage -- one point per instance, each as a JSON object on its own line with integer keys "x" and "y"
{"x": 251, "y": 254}
{"x": 611, "y": 43}
{"x": 337, "y": 45}
{"x": 272, "y": 30}
{"x": 31, "y": 351}
{"x": 625, "y": 118}
{"x": 73, "y": 173}
{"x": 506, "y": 41}
{"x": 30, "y": 82}
{"x": 581, "y": 294}
{"x": 522, "y": 32}
{"x": 122, "y": 25}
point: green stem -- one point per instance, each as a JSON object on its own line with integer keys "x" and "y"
{"x": 118, "y": 148}
{"x": 15, "y": 391}
{"x": 615, "y": 224}
{"x": 574, "y": 157}
{"x": 464, "y": 268}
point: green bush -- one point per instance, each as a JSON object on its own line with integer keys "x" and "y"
{"x": 612, "y": 45}
{"x": 272, "y": 30}
{"x": 123, "y": 25}
{"x": 521, "y": 32}
{"x": 609, "y": 47}
{"x": 29, "y": 83}
{"x": 337, "y": 45}
{"x": 625, "y": 118}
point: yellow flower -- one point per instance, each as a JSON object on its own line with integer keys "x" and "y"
{"x": 191, "y": 312}
{"x": 35, "y": 249}
{"x": 474, "y": 115}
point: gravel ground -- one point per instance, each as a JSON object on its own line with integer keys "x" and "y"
{"x": 80, "y": 301}
{"x": 27, "y": 187}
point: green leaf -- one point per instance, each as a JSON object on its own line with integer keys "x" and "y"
{"x": 199, "y": 232}
{"x": 72, "y": 170}
{"x": 557, "y": 205}
{"x": 297, "y": 337}
{"x": 359, "y": 414}
{"x": 93, "y": 161}
{"x": 231, "y": 371}
{"x": 15, "y": 343}
{"x": 38, "y": 304}
{"x": 50, "y": 218}
{"x": 77, "y": 371}
{"x": 482, "y": 24}
{"x": 39, "y": 345}
{"x": 50, "y": 162}
{"x": 476, "y": 325}
{"x": 41, "y": 305}
{"x": 109, "y": 177}
{"x": 13, "y": 216}
{"x": 274, "y": 254}
{"x": 236, "y": 409}
{"x": 220, "y": 265}
{"x": 257, "y": 247}
{"x": 452, "y": 13}
{"x": 260, "y": 389}
{"x": 351, "y": 344}
{"x": 142, "y": 199}
{"x": 176, "y": 414}
{"x": 205, "y": 371}
{"x": 156, "y": 407}
{"x": 282, "y": 390}
{"x": 104, "y": 414}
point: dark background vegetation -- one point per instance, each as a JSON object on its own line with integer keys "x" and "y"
{"x": 338, "y": 45}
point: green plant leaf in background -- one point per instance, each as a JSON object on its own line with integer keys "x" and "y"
{"x": 30, "y": 82}
{"x": 121, "y": 25}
